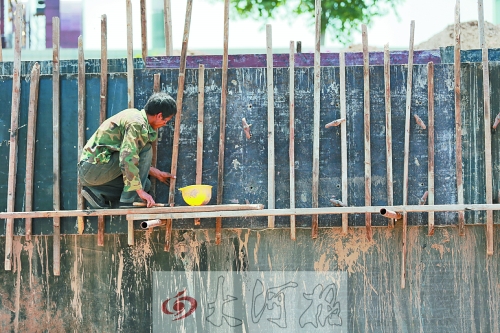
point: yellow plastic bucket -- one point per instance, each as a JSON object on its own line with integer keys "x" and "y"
{"x": 196, "y": 195}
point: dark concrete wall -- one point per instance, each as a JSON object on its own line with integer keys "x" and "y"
{"x": 451, "y": 285}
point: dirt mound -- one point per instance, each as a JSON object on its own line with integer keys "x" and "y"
{"x": 469, "y": 37}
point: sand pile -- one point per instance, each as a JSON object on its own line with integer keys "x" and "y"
{"x": 469, "y": 37}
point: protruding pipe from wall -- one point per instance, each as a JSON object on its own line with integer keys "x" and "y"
{"x": 152, "y": 223}
{"x": 390, "y": 214}
{"x": 335, "y": 122}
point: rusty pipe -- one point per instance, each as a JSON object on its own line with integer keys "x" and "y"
{"x": 152, "y": 223}
{"x": 390, "y": 214}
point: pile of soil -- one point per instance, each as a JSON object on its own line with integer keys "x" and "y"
{"x": 469, "y": 37}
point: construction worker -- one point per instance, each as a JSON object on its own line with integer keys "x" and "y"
{"x": 116, "y": 161}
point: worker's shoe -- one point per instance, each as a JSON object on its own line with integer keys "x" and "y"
{"x": 97, "y": 202}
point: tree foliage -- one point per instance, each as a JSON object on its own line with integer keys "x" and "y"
{"x": 339, "y": 18}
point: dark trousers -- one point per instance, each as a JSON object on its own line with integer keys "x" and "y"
{"x": 106, "y": 180}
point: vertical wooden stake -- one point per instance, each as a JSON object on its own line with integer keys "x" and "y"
{"x": 487, "y": 131}
{"x": 270, "y": 126}
{"x": 56, "y": 153}
{"x": 180, "y": 96}
{"x": 81, "y": 127}
{"x": 291, "y": 149}
{"x": 130, "y": 55}
{"x": 167, "y": 21}
{"x": 199, "y": 141}
{"x": 222, "y": 133}
{"x": 388, "y": 129}
{"x": 102, "y": 106}
{"x": 368, "y": 163}
{"x": 144, "y": 30}
{"x": 317, "y": 110}
{"x": 30, "y": 144}
{"x": 458, "y": 124}
{"x": 409, "y": 83}
{"x": 343, "y": 139}
{"x": 14, "y": 126}
{"x": 168, "y": 234}
{"x": 430, "y": 173}
{"x": 130, "y": 232}
{"x": 154, "y": 161}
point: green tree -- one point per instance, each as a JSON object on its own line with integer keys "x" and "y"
{"x": 338, "y": 17}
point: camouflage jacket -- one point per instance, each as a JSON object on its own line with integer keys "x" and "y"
{"x": 126, "y": 132}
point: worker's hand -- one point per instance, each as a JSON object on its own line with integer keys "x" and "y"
{"x": 162, "y": 176}
{"x": 146, "y": 197}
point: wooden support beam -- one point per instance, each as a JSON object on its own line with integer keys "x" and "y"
{"x": 130, "y": 56}
{"x": 430, "y": 170}
{"x": 487, "y": 131}
{"x": 154, "y": 160}
{"x": 14, "y": 126}
{"x": 167, "y": 21}
{"x": 199, "y": 139}
{"x": 178, "y": 115}
{"x": 30, "y": 144}
{"x": 144, "y": 30}
{"x": 56, "y": 151}
{"x": 247, "y": 210}
{"x": 103, "y": 106}
{"x": 316, "y": 122}
{"x": 343, "y": 140}
{"x": 270, "y": 125}
{"x": 409, "y": 83}
{"x": 458, "y": 123}
{"x": 222, "y": 121}
{"x": 150, "y": 213}
{"x": 81, "y": 127}
{"x": 291, "y": 147}
{"x": 388, "y": 129}
{"x": 130, "y": 231}
{"x": 366, "y": 113}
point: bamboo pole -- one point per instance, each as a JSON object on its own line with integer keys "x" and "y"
{"x": 430, "y": 172}
{"x": 409, "y": 82}
{"x": 130, "y": 54}
{"x": 487, "y": 131}
{"x": 14, "y": 126}
{"x": 144, "y": 30}
{"x": 317, "y": 110}
{"x": 178, "y": 116}
{"x": 30, "y": 144}
{"x": 343, "y": 139}
{"x": 81, "y": 126}
{"x": 199, "y": 139}
{"x": 388, "y": 129}
{"x": 246, "y": 210}
{"x": 56, "y": 153}
{"x": 270, "y": 125}
{"x": 368, "y": 162}
{"x": 458, "y": 123}
{"x": 291, "y": 148}
{"x": 222, "y": 122}
{"x": 130, "y": 232}
{"x": 154, "y": 160}
{"x": 148, "y": 214}
{"x": 102, "y": 106}
{"x": 167, "y": 21}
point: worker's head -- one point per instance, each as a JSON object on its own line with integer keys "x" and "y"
{"x": 160, "y": 108}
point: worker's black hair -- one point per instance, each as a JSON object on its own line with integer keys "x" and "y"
{"x": 161, "y": 102}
